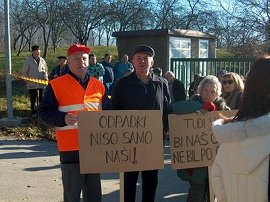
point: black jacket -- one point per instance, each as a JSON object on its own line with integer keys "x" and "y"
{"x": 131, "y": 93}
{"x": 108, "y": 76}
{"x": 56, "y": 71}
{"x": 179, "y": 91}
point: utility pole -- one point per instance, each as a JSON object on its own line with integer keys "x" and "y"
{"x": 8, "y": 62}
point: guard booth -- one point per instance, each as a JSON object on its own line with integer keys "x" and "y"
{"x": 167, "y": 43}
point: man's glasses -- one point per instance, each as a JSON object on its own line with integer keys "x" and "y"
{"x": 228, "y": 81}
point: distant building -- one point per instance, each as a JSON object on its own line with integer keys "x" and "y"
{"x": 168, "y": 43}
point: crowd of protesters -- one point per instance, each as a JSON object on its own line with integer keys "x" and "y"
{"x": 137, "y": 85}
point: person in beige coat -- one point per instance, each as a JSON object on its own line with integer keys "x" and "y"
{"x": 35, "y": 67}
{"x": 240, "y": 172}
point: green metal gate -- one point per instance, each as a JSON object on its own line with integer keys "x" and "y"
{"x": 186, "y": 68}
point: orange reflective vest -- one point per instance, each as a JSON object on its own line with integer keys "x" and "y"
{"x": 72, "y": 98}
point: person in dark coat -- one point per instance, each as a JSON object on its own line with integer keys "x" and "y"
{"x": 176, "y": 87}
{"x": 60, "y": 69}
{"x": 120, "y": 67}
{"x": 108, "y": 77}
{"x": 157, "y": 71}
{"x": 191, "y": 89}
{"x": 141, "y": 90}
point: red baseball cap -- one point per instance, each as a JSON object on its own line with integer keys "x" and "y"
{"x": 78, "y": 47}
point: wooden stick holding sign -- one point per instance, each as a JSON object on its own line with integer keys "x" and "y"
{"x": 120, "y": 141}
{"x": 122, "y": 188}
{"x": 192, "y": 141}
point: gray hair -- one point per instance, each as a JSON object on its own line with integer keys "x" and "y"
{"x": 169, "y": 73}
{"x": 213, "y": 80}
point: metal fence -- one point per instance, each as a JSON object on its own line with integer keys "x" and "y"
{"x": 186, "y": 68}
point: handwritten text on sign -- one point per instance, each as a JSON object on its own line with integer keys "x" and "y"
{"x": 192, "y": 141}
{"x": 117, "y": 141}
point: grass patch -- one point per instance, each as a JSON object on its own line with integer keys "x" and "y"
{"x": 32, "y": 128}
{"x": 51, "y": 58}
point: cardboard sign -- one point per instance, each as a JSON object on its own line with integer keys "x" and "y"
{"x": 192, "y": 141}
{"x": 119, "y": 141}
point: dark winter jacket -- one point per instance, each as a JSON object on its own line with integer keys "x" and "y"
{"x": 108, "y": 77}
{"x": 59, "y": 72}
{"x": 131, "y": 93}
{"x": 179, "y": 91}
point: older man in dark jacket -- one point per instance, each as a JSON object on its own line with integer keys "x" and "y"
{"x": 141, "y": 90}
{"x": 176, "y": 87}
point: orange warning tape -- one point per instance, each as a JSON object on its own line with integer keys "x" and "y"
{"x": 40, "y": 81}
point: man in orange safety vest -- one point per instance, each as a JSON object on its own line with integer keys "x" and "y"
{"x": 63, "y": 98}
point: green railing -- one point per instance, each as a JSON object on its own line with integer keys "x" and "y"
{"x": 186, "y": 68}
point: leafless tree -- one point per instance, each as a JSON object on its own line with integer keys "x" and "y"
{"x": 23, "y": 25}
{"x": 82, "y": 16}
{"x": 56, "y": 24}
{"x": 100, "y": 32}
{"x": 109, "y": 27}
{"x": 251, "y": 19}
{"x": 257, "y": 12}
{"x": 129, "y": 14}
{"x": 163, "y": 10}
{"x": 240, "y": 25}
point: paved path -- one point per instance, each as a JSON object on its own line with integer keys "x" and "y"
{"x": 29, "y": 171}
